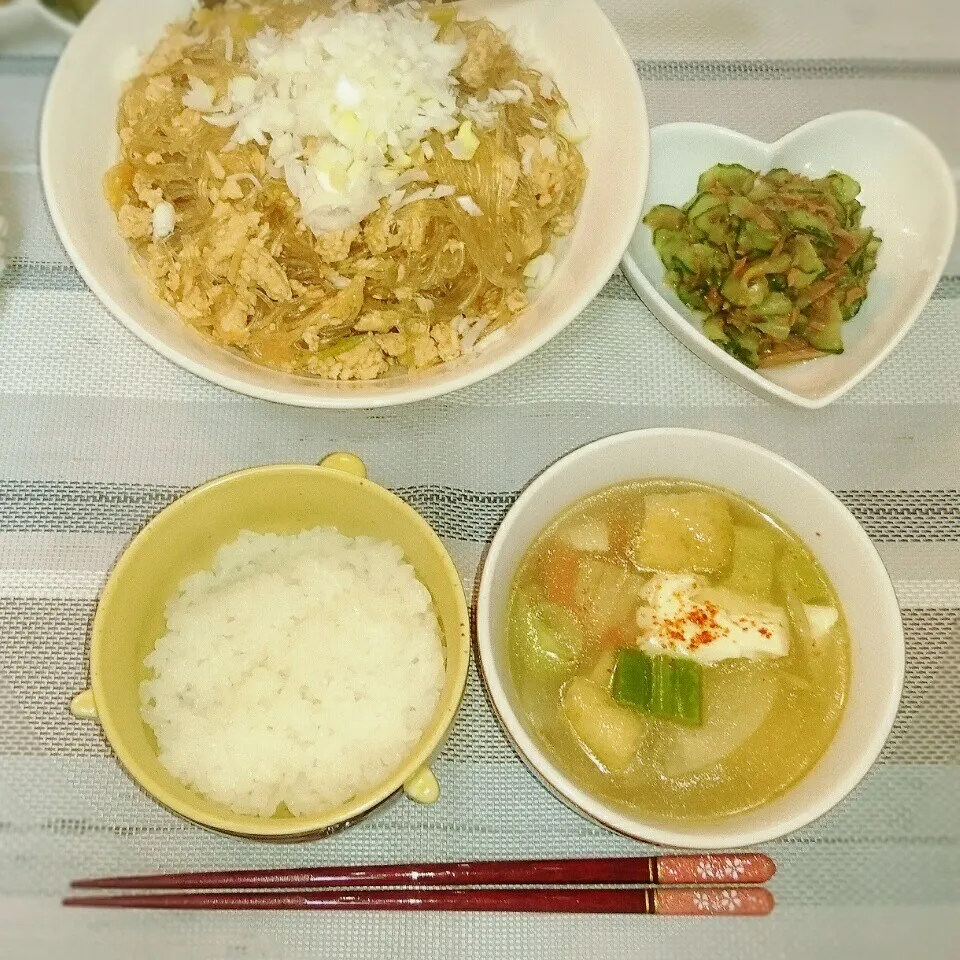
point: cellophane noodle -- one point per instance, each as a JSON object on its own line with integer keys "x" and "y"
{"x": 407, "y": 288}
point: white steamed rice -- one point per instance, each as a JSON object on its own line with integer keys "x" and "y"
{"x": 300, "y": 670}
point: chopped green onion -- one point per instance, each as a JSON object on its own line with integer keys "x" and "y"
{"x": 662, "y": 686}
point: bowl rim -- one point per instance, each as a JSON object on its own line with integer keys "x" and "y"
{"x": 699, "y": 836}
{"x": 294, "y": 827}
{"x": 356, "y": 397}
{"x": 683, "y": 327}
{"x": 57, "y": 19}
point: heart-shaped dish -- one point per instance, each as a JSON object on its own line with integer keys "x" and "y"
{"x": 910, "y": 201}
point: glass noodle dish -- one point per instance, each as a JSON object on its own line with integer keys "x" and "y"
{"x": 676, "y": 651}
{"x": 343, "y": 191}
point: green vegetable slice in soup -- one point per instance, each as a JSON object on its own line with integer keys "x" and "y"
{"x": 775, "y": 263}
{"x": 667, "y": 687}
{"x": 675, "y": 650}
{"x": 546, "y": 629}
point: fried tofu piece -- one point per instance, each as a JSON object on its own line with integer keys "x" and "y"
{"x": 684, "y": 532}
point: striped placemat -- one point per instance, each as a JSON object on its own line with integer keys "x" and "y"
{"x": 99, "y": 433}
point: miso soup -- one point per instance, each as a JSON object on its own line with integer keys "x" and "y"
{"x": 677, "y": 651}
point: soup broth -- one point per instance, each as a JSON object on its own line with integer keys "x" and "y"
{"x": 676, "y": 651}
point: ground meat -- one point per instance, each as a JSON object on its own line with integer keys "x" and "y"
{"x": 244, "y": 268}
{"x": 362, "y": 362}
{"x": 447, "y": 340}
{"x": 392, "y": 344}
{"x": 188, "y": 123}
{"x": 259, "y": 269}
{"x": 381, "y": 231}
{"x": 195, "y": 304}
{"x": 147, "y": 193}
{"x": 231, "y": 323}
{"x": 377, "y": 321}
{"x": 483, "y": 49}
{"x": 158, "y": 89}
{"x": 334, "y": 247}
{"x": 563, "y": 224}
{"x": 231, "y": 239}
{"x": 135, "y": 222}
{"x": 516, "y": 301}
{"x": 425, "y": 352}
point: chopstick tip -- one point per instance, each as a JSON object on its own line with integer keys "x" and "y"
{"x": 92, "y": 883}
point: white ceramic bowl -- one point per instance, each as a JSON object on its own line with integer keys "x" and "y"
{"x": 79, "y": 142}
{"x": 798, "y": 500}
{"x": 21, "y": 11}
{"x": 910, "y": 201}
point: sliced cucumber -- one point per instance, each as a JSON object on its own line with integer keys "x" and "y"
{"x": 693, "y": 299}
{"x": 805, "y": 256}
{"x": 761, "y": 190}
{"x": 665, "y": 216}
{"x": 845, "y": 188}
{"x": 703, "y": 202}
{"x": 829, "y": 337}
{"x": 798, "y": 280}
{"x": 732, "y": 176}
{"x": 716, "y": 225}
{"x": 753, "y": 239}
{"x": 812, "y": 225}
{"x": 713, "y": 329}
{"x": 745, "y": 295}
{"x": 744, "y": 345}
{"x": 775, "y": 304}
{"x": 778, "y": 328}
{"x": 776, "y": 264}
{"x": 766, "y": 307}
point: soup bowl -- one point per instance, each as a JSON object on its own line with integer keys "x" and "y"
{"x": 183, "y": 539}
{"x": 784, "y": 491}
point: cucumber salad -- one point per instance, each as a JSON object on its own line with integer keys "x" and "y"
{"x": 775, "y": 262}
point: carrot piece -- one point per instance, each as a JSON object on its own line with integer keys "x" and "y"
{"x": 557, "y": 573}
{"x": 617, "y": 638}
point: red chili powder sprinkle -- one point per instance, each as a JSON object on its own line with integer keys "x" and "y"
{"x": 704, "y": 617}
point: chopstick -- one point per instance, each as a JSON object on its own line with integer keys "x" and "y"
{"x": 686, "y": 869}
{"x": 679, "y": 901}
